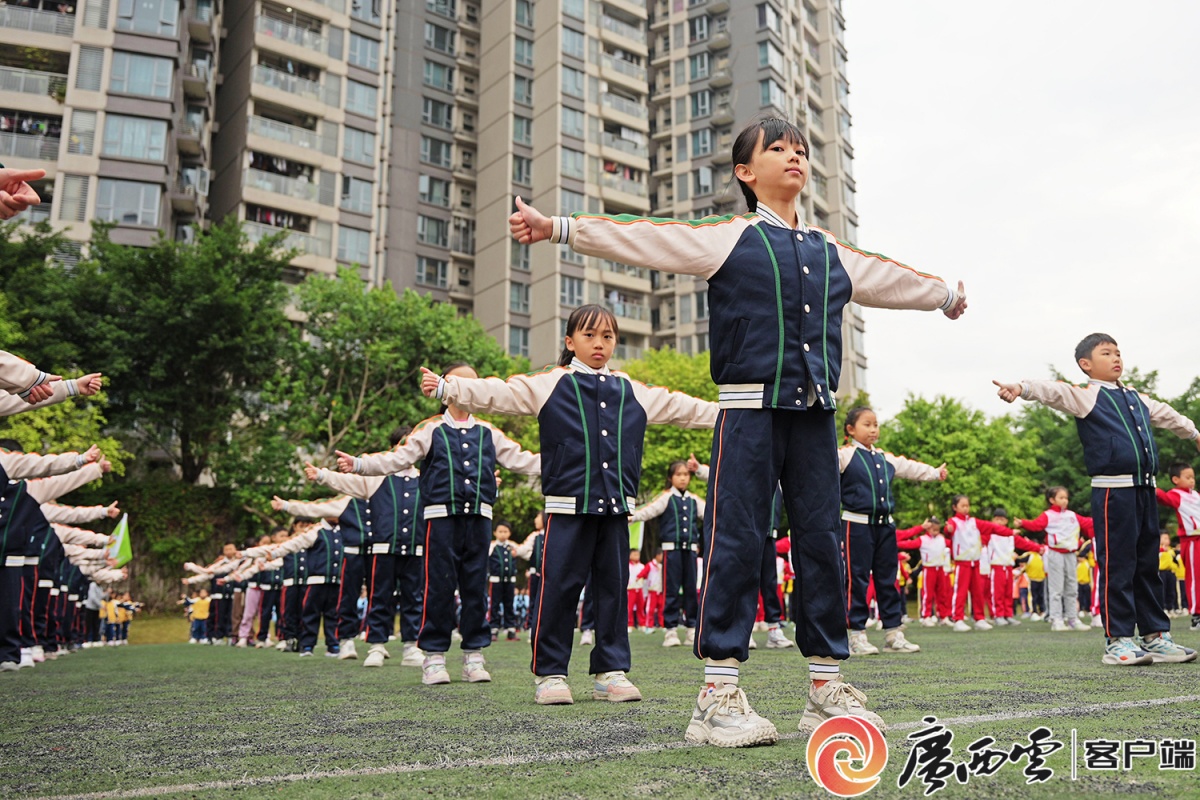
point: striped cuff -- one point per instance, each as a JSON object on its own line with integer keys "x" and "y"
{"x": 79, "y": 461}
{"x": 358, "y": 466}
{"x": 72, "y": 387}
{"x": 561, "y": 230}
{"x": 950, "y": 300}
{"x": 41, "y": 378}
{"x": 441, "y": 390}
{"x": 724, "y": 670}
{"x": 823, "y": 669}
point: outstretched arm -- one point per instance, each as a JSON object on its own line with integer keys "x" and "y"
{"x": 912, "y": 470}
{"x": 520, "y": 395}
{"x": 664, "y": 407}
{"x": 1169, "y": 499}
{"x": 883, "y": 282}
{"x": 653, "y": 509}
{"x": 1078, "y": 401}
{"x": 511, "y": 455}
{"x": 1163, "y": 416}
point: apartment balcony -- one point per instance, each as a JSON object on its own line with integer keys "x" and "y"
{"x": 622, "y": 35}
{"x": 306, "y": 243}
{"x": 625, "y": 73}
{"x": 630, "y": 7}
{"x": 464, "y": 135}
{"x": 336, "y": 6}
{"x": 197, "y": 79}
{"x": 293, "y": 135}
{"x": 720, "y": 79}
{"x": 295, "y": 188}
{"x": 717, "y": 6}
{"x": 719, "y": 41}
{"x": 723, "y": 114}
{"x": 627, "y": 352}
{"x": 301, "y": 90}
{"x": 33, "y": 82}
{"x": 629, "y": 195}
{"x": 36, "y": 214}
{"x": 200, "y": 21}
{"x": 292, "y": 34}
{"x": 623, "y": 111}
{"x": 464, "y": 172}
{"x": 634, "y": 317}
{"x": 28, "y": 20}
{"x": 625, "y": 277}
{"x": 28, "y": 147}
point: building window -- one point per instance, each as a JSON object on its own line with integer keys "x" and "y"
{"x": 439, "y": 76}
{"x": 571, "y": 291}
{"x": 444, "y": 8}
{"x": 432, "y": 230}
{"x": 433, "y": 272}
{"x": 572, "y": 163}
{"x": 435, "y": 151}
{"x": 523, "y": 51}
{"x": 158, "y": 17}
{"x": 844, "y": 124}
{"x": 361, "y": 98}
{"x": 699, "y": 66}
{"x": 518, "y": 297}
{"x": 573, "y": 82}
{"x": 701, "y": 103}
{"x": 772, "y": 94}
{"x": 573, "y": 201}
{"x": 572, "y": 122}
{"x": 574, "y": 43}
{"x": 685, "y": 309}
{"x": 525, "y": 13}
{"x": 523, "y": 170}
{"x": 522, "y": 129}
{"x": 434, "y": 191}
{"x": 83, "y": 132}
{"x": 89, "y": 68}
{"x": 366, "y": 10}
{"x": 135, "y": 137}
{"x": 518, "y": 341}
{"x": 697, "y": 29}
{"x": 520, "y": 256}
{"x": 354, "y": 246}
{"x": 701, "y": 342}
{"x": 437, "y": 113}
{"x": 702, "y": 142}
{"x": 439, "y": 38}
{"x": 128, "y": 202}
{"x": 769, "y": 18}
{"x": 702, "y": 181}
{"x": 364, "y": 52}
{"x": 356, "y": 194}
{"x": 702, "y": 308}
{"x": 771, "y": 56}
{"x": 523, "y": 90}
{"x": 573, "y": 8}
{"x": 143, "y": 75}
{"x": 359, "y": 146}
{"x": 816, "y": 150}
{"x": 72, "y": 204}
{"x": 848, "y": 195}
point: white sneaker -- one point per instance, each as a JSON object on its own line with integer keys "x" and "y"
{"x": 859, "y": 646}
{"x": 961, "y": 626}
{"x": 1076, "y": 625}
{"x": 193, "y": 640}
{"x": 587, "y": 638}
{"x": 947, "y": 621}
{"x": 982, "y": 625}
{"x": 896, "y": 643}
{"x": 552, "y": 690}
{"x": 836, "y": 699}
{"x": 753, "y": 645}
{"x": 928, "y": 622}
{"x": 614, "y": 687}
{"x": 777, "y": 641}
{"x": 281, "y": 645}
{"x": 690, "y": 639}
{"x": 346, "y": 651}
{"x": 1001, "y": 621}
{"x": 473, "y": 670}
{"x": 243, "y": 643}
{"x": 413, "y": 657}
{"x": 26, "y": 658}
{"x": 433, "y": 671}
{"x": 38, "y": 653}
{"x": 375, "y": 656}
{"x": 9, "y": 666}
{"x": 1058, "y": 626}
{"x": 1014, "y": 621}
{"x": 672, "y": 638}
{"x": 723, "y": 717}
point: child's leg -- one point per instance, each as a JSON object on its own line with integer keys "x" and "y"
{"x": 691, "y": 594}
{"x": 858, "y": 551}
{"x": 330, "y": 613}
{"x": 350, "y": 583}
{"x": 945, "y": 592}
{"x": 1037, "y": 590}
{"x": 1058, "y": 566}
{"x": 962, "y": 586}
{"x": 883, "y": 566}
{"x": 310, "y": 617}
{"x": 1070, "y": 581}
{"x": 632, "y": 602}
{"x": 979, "y": 593}
{"x": 610, "y": 576}
{"x": 510, "y": 613}
{"x": 441, "y": 575}
{"x": 493, "y": 604}
{"x": 471, "y": 536}
{"x": 410, "y": 582}
{"x": 1189, "y": 551}
{"x": 566, "y": 563}
{"x": 673, "y": 569}
{"x": 1166, "y": 579}
{"x": 1119, "y": 560}
{"x": 1150, "y": 616}
{"x": 768, "y": 585}
{"x": 381, "y": 588}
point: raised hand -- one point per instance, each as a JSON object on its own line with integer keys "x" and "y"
{"x": 92, "y": 455}
{"x": 310, "y": 472}
{"x": 528, "y": 225}
{"x": 1009, "y": 392}
{"x": 345, "y": 462}
{"x": 42, "y": 391}
{"x": 90, "y": 384}
{"x": 960, "y": 303}
{"x": 942, "y": 473}
{"x": 105, "y": 465}
{"x": 429, "y": 382}
{"x": 112, "y": 512}
{"x": 16, "y": 194}
{"x": 277, "y": 503}
{"x": 692, "y": 463}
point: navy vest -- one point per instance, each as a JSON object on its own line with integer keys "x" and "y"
{"x": 20, "y": 518}
{"x": 867, "y": 485}
{"x": 680, "y": 523}
{"x": 776, "y": 315}
{"x": 396, "y": 514}
{"x": 592, "y": 429}
{"x": 502, "y": 564}
{"x": 355, "y": 523}
{"x": 324, "y": 557}
{"x": 293, "y": 567}
{"x": 1117, "y": 437}
{"x": 459, "y": 471}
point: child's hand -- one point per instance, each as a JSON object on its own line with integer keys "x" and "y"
{"x": 42, "y": 391}
{"x": 16, "y": 194}
{"x": 277, "y": 503}
{"x": 89, "y": 384}
{"x": 345, "y": 462}
{"x": 1008, "y": 391}
{"x": 310, "y": 472}
{"x": 692, "y": 464}
{"x": 112, "y": 511}
{"x": 499, "y": 480}
{"x": 105, "y": 465}
{"x": 91, "y": 455}
{"x": 528, "y": 225}
{"x": 429, "y": 382}
{"x": 942, "y": 473}
{"x": 960, "y": 303}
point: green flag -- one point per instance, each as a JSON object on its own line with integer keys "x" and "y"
{"x": 636, "y": 529}
{"x": 119, "y": 550}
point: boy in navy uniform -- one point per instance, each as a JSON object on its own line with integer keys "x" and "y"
{"x": 1115, "y": 426}
{"x": 502, "y": 581}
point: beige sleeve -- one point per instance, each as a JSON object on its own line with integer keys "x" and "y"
{"x": 317, "y": 510}
{"x": 1062, "y": 396}
{"x": 1163, "y": 416}
{"x": 73, "y": 515}
{"x": 664, "y": 407}
{"x": 31, "y": 465}
{"x": 17, "y": 375}
{"x": 511, "y": 455}
{"x": 12, "y": 404}
{"x": 688, "y": 248}
{"x": 911, "y": 470}
{"x": 845, "y": 456}
{"x": 360, "y": 486}
{"x": 882, "y": 282}
{"x": 44, "y": 490}
{"x": 79, "y": 536}
{"x": 520, "y": 395}
{"x": 408, "y": 453}
{"x": 653, "y": 509}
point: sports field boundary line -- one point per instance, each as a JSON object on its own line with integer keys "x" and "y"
{"x": 583, "y": 755}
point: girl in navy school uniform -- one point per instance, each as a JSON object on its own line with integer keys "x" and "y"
{"x": 869, "y": 543}
{"x": 592, "y": 423}
{"x": 777, "y": 289}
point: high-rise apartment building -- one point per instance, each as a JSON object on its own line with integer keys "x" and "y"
{"x": 114, "y": 100}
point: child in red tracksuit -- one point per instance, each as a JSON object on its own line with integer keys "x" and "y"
{"x": 637, "y": 602}
{"x": 652, "y": 575}
{"x": 1184, "y": 498}
{"x": 1001, "y": 555}
{"x": 935, "y": 599}
{"x": 969, "y": 536}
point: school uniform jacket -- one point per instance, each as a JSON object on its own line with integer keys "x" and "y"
{"x": 259, "y": 568}
{"x": 531, "y": 550}
{"x": 1062, "y": 528}
{"x": 681, "y": 519}
{"x": 1187, "y": 508}
{"x": 394, "y": 506}
{"x": 100, "y": 574}
{"x": 867, "y": 475}
{"x": 776, "y": 294}
{"x": 969, "y": 536}
{"x": 353, "y": 518}
{"x": 73, "y": 515}
{"x": 322, "y": 546}
{"x": 592, "y": 425}
{"x": 41, "y": 543}
{"x": 934, "y": 550}
{"x": 1114, "y": 423}
{"x": 18, "y": 376}
{"x": 14, "y": 404}
{"x": 78, "y": 554}
{"x": 502, "y": 563}
{"x": 457, "y": 461}
{"x": 17, "y": 511}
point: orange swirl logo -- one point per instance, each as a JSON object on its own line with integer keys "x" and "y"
{"x": 833, "y": 748}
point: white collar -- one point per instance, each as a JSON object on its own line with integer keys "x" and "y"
{"x": 859, "y": 444}
{"x": 678, "y": 493}
{"x": 447, "y": 419}
{"x": 774, "y": 219}
{"x": 1108, "y": 384}
{"x": 579, "y": 366}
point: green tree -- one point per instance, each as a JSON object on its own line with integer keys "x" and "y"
{"x": 37, "y": 317}
{"x": 986, "y": 460}
{"x": 74, "y": 424}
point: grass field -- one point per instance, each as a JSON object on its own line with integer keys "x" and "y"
{"x": 176, "y": 720}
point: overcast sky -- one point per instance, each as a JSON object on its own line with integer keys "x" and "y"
{"x": 1048, "y": 155}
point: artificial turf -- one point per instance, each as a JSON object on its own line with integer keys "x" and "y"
{"x": 155, "y": 716}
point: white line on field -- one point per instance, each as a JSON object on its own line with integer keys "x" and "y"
{"x": 585, "y": 755}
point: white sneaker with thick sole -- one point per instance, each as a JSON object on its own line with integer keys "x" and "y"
{"x": 1124, "y": 652}
{"x": 242, "y": 643}
{"x": 346, "y": 651}
{"x": 413, "y": 657}
{"x": 723, "y": 717}
{"x": 26, "y": 658}
{"x": 9, "y": 666}
{"x": 1164, "y": 650}
{"x": 552, "y": 690}
{"x": 836, "y": 699}
{"x": 192, "y": 641}
{"x": 1014, "y": 621}
{"x": 1058, "y": 626}
{"x": 896, "y": 643}
{"x": 587, "y": 638}
{"x": 928, "y": 622}
{"x": 433, "y": 671}
{"x": 690, "y": 639}
{"x": 961, "y": 626}
{"x": 982, "y": 625}
{"x": 859, "y": 646}
{"x": 1001, "y": 621}
{"x": 376, "y": 656}
{"x": 671, "y": 639}
{"x": 1077, "y": 625}
{"x": 947, "y": 621}
{"x": 614, "y": 687}
{"x": 39, "y": 654}
{"x": 473, "y": 669}
{"x": 281, "y": 645}
{"x": 777, "y": 641}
